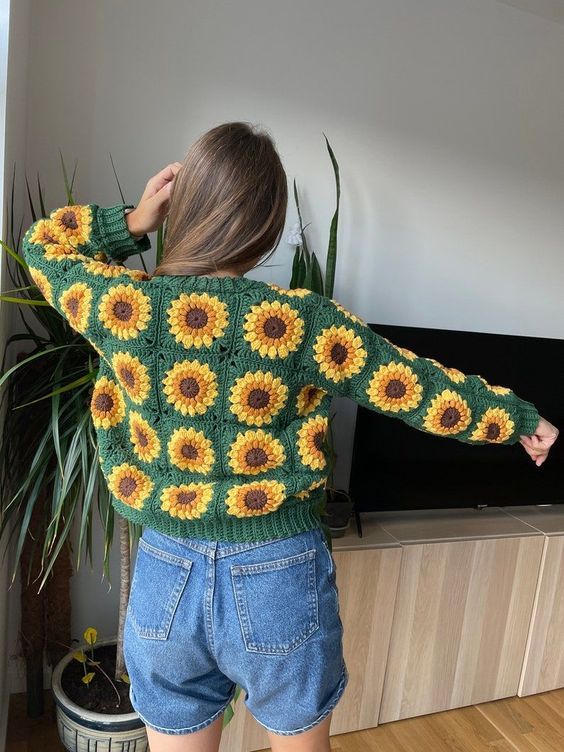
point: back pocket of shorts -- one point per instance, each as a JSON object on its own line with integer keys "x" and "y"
{"x": 276, "y": 603}
{"x": 158, "y": 582}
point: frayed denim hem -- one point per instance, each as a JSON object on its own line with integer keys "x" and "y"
{"x": 344, "y": 680}
{"x": 188, "y": 729}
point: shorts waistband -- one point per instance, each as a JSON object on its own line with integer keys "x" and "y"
{"x": 215, "y": 549}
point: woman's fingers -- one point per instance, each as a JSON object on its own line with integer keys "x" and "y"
{"x": 161, "y": 179}
{"x": 162, "y": 196}
{"x": 153, "y": 206}
{"x": 538, "y": 445}
{"x": 535, "y": 450}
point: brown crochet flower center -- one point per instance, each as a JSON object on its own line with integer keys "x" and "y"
{"x": 186, "y": 497}
{"x": 258, "y": 398}
{"x": 69, "y": 220}
{"x": 255, "y": 499}
{"x": 196, "y": 318}
{"x": 318, "y": 440}
{"x": 189, "y": 451}
{"x": 72, "y": 305}
{"x": 189, "y": 387}
{"x": 274, "y": 327}
{"x": 104, "y": 402}
{"x": 493, "y": 431}
{"x": 127, "y": 376}
{"x": 123, "y": 310}
{"x": 127, "y": 485}
{"x": 396, "y": 389}
{"x": 338, "y": 353}
{"x": 256, "y": 457}
{"x": 141, "y": 436}
{"x": 450, "y": 417}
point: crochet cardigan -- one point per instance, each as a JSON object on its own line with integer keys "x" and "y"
{"x": 212, "y": 396}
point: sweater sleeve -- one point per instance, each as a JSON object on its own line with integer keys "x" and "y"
{"x": 68, "y": 255}
{"x": 347, "y": 358}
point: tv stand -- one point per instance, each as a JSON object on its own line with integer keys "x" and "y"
{"x": 442, "y": 609}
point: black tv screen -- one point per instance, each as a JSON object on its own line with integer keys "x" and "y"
{"x": 398, "y": 467}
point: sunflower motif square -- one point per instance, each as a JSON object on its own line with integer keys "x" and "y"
{"x": 189, "y": 386}
{"x": 195, "y": 322}
{"x": 184, "y": 499}
{"x": 193, "y": 449}
{"x": 251, "y": 452}
{"x": 135, "y": 370}
{"x": 272, "y": 329}
{"x": 309, "y": 444}
{"x": 259, "y": 394}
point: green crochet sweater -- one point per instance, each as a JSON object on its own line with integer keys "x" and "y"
{"x": 212, "y": 397}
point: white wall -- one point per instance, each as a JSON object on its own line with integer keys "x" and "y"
{"x": 446, "y": 116}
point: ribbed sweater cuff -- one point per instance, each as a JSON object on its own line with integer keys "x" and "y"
{"x": 112, "y": 228}
{"x": 528, "y": 422}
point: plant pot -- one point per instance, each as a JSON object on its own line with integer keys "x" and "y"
{"x": 82, "y": 730}
{"x": 338, "y": 512}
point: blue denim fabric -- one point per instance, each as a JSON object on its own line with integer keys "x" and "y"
{"x": 204, "y": 616}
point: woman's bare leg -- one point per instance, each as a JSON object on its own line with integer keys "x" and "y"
{"x": 206, "y": 740}
{"x": 314, "y": 740}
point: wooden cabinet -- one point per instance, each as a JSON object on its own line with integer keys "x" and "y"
{"x": 367, "y": 582}
{"x": 465, "y": 597}
{"x": 543, "y": 667}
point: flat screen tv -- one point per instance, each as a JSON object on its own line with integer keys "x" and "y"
{"x": 395, "y": 466}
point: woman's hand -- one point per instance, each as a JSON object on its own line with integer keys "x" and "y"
{"x": 538, "y": 445}
{"x": 151, "y": 211}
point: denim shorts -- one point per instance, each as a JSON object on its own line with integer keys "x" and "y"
{"x": 206, "y": 616}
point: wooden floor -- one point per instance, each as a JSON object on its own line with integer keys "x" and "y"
{"x": 532, "y": 724}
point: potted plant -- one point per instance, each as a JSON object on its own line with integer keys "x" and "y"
{"x": 337, "y": 507}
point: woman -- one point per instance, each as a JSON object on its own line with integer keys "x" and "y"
{"x": 211, "y": 407}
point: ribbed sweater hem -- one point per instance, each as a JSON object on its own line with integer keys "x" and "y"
{"x": 279, "y": 524}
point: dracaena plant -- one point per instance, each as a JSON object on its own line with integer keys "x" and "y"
{"x": 306, "y": 273}
{"x": 50, "y": 475}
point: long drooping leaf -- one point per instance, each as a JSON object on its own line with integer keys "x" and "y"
{"x": 24, "y": 301}
{"x": 68, "y": 387}
{"x": 61, "y": 539}
{"x": 14, "y": 255}
{"x": 91, "y": 473}
{"x": 41, "y": 354}
{"x": 30, "y": 506}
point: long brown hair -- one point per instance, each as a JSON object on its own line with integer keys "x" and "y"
{"x": 228, "y": 203}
